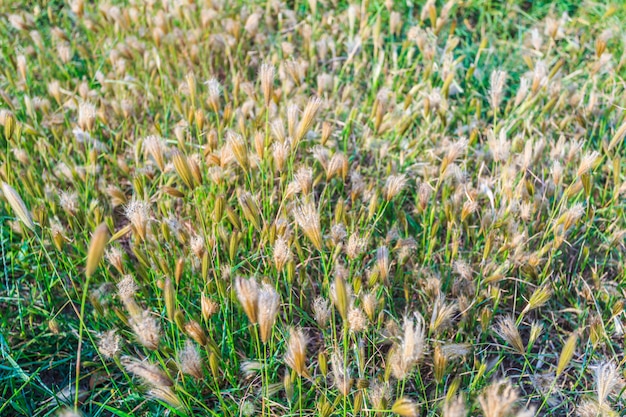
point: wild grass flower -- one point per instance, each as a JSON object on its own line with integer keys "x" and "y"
{"x": 109, "y": 344}
{"x": 567, "y": 353}
{"x": 405, "y": 407}
{"x": 196, "y": 332}
{"x": 357, "y": 321}
{"x": 394, "y": 185}
{"x": 308, "y": 219}
{"x": 410, "y": 348}
{"x": 307, "y": 119}
{"x": 248, "y": 294}
{"x": 340, "y": 295}
{"x": 161, "y": 385}
{"x": 147, "y": 329}
{"x": 295, "y": 357}
{"x": 137, "y": 212}
{"x": 96, "y": 248}
{"x": 268, "y": 304}
{"x": 497, "y": 84}
{"x": 507, "y": 330}
{"x": 282, "y": 253}
{"x": 266, "y": 75}
{"x": 607, "y": 380}
{"x": 321, "y": 311}
{"x": 498, "y": 400}
{"x": 190, "y": 361}
{"x": 340, "y": 373}
{"x": 18, "y": 205}
{"x": 208, "y": 307}
{"x": 454, "y": 407}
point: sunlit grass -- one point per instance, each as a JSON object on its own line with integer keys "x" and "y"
{"x": 312, "y": 208}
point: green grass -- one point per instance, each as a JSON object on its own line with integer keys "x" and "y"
{"x": 505, "y": 233}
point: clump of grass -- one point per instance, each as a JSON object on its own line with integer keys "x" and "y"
{"x": 312, "y": 208}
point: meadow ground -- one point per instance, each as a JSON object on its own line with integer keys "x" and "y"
{"x": 312, "y": 208}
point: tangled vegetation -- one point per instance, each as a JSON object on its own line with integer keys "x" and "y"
{"x": 316, "y": 208}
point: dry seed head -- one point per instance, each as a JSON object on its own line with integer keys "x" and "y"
{"x": 498, "y": 399}
{"x": 189, "y": 360}
{"x": 214, "y": 90}
{"x": 567, "y": 353}
{"x": 127, "y": 288}
{"x": 96, "y": 248}
{"x": 340, "y": 372}
{"x": 607, "y": 380}
{"x": 442, "y": 315}
{"x": 268, "y": 304}
{"x": 304, "y": 178}
{"x": 507, "y": 330}
{"x": 369, "y": 301}
{"x": 410, "y": 349}
{"x": 282, "y": 253}
{"x": 196, "y": 332}
{"x": 308, "y": 116}
{"x": 356, "y": 245}
{"x": 295, "y": 357}
{"x": 341, "y": 296}
{"x": 356, "y": 320}
{"x": 115, "y": 257}
{"x": 394, "y": 185}
{"x": 18, "y": 206}
{"x": 147, "y": 329}
{"x": 280, "y": 152}
{"x": 321, "y": 311}
{"x": 153, "y": 146}
{"x": 405, "y": 407}
{"x": 379, "y": 394}
{"x": 109, "y": 344}
{"x": 238, "y": 147}
{"x": 248, "y": 293}
{"x": 497, "y": 80}
{"x": 183, "y": 169}
{"x": 137, "y": 212}
{"x": 292, "y": 119}
{"x": 308, "y": 219}
{"x": 208, "y": 307}
{"x": 266, "y": 75}
{"x": 86, "y": 116}
{"x": 250, "y": 208}
{"x": 197, "y": 246}
{"x": 150, "y": 373}
{"x": 539, "y": 297}
{"x": 69, "y": 202}
{"x": 167, "y": 395}
{"x": 455, "y": 407}
{"x": 382, "y": 262}
{"x": 587, "y": 162}
{"x": 338, "y": 165}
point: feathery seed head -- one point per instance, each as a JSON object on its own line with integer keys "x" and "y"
{"x": 268, "y": 304}
{"x": 308, "y": 219}
{"x": 295, "y": 357}
{"x": 109, "y": 344}
{"x": 18, "y": 206}
{"x": 147, "y": 329}
{"x": 394, "y": 185}
{"x": 137, "y": 212}
{"x": 507, "y": 330}
{"x": 266, "y": 75}
{"x": 282, "y": 252}
{"x": 248, "y": 293}
{"x": 321, "y": 311}
{"x": 189, "y": 360}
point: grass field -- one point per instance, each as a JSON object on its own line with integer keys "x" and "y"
{"x": 312, "y": 208}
